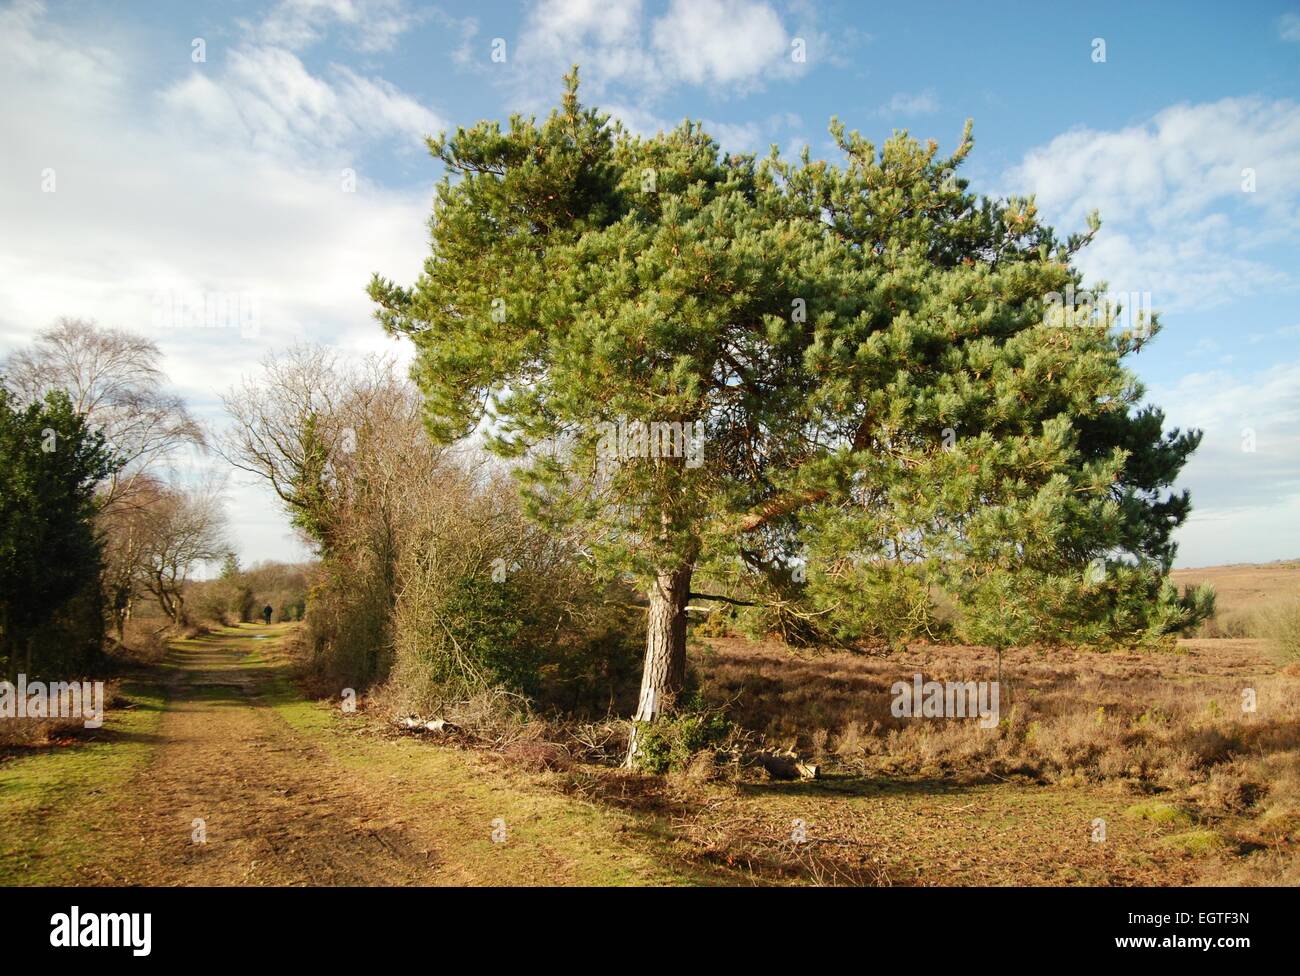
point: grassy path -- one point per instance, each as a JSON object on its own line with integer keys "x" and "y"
{"x": 221, "y": 774}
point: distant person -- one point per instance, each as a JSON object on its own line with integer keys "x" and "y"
{"x": 266, "y": 613}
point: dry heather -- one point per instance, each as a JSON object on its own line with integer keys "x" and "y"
{"x": 1243, "y": 587}
{"x": 1254, "y": 601}
{"x": 1155, "y": 722}
{"x": 20, "y": 735}
{"x": 1194, "y": 787}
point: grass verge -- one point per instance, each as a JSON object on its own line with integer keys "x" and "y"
{"x": 543, "y": 837}
{"x": 50, "y": 797}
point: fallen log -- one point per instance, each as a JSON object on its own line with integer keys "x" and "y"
{"x": 439, "y": 726}
{"x": 787, "y": 766}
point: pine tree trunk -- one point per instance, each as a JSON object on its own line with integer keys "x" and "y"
{"x": 664, "y": 672}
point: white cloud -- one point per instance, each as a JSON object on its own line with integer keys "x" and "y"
{"x": 1176, "y": 221}
{"x": 604, "y": 38}
{"x": 1288, "y": 27}
{"x": 917, "y": 103}
{"x": 226, "y": 184}
{"x": 729, "y": 45}
{"x": 722, "y": 42}
{"x": 80, "y": 73}
{"x": 1181, "y": 161}
{"x": 267, "y": 95}
{"x": 371, "y": 25}
{"x": 467, "y": 28}
{"x": 1245, "y": 476}
{"x": 742, "y": 137}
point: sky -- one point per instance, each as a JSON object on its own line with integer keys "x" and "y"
{"x": 260, "y": 160}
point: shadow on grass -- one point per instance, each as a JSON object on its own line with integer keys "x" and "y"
{"x": 855, "y": 785}
{"x": 740, "y": 843}
{"x": 80, "y": 737}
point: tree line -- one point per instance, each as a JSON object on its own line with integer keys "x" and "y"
{"x": 92, "y": 519}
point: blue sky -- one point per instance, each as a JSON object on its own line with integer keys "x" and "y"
{"x": 175, "y": 177}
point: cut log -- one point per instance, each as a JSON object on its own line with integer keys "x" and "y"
{"x": 439, "y": 726}
{"x": 808, "y": 770}
{"x": 781, "y": 766}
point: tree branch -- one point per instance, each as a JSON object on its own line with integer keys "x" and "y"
{"x": 723, "y": 599}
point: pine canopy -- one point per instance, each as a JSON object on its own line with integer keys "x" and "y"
{"x": 886, "y": 406}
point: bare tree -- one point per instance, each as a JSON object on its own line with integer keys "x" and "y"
{"x": 114, "y": 381}
{"x": 343, "y": 446}
{"x": 182, "y": 529}
{"x": 124, "y": 530}
{"x": 303, "y": 427}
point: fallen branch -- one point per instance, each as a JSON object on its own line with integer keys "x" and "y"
{"x": 787, "y": 765}
{"x": 438, "y": 726}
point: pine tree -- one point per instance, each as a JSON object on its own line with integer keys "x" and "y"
{"x": 868, "y": 349}
{"x": 50, "y": 463}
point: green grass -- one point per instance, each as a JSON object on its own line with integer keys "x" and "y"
{"x": 1160, "y": 813}
{"x": 49, "y": 798}
{"x": 1197, "y": 841}
{"x": 550, "y": 838}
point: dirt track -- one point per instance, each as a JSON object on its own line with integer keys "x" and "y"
{"x": 276, "y": 810}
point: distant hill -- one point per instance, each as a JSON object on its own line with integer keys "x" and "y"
{"x": 1245, "y": 588}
